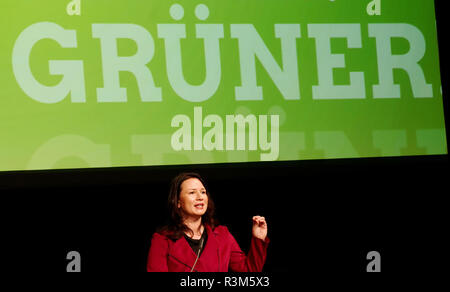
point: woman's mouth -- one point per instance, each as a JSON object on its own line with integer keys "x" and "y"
{"x": 199, "y": 206}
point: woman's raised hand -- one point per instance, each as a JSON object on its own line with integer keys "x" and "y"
{"x": 259, "y": 229}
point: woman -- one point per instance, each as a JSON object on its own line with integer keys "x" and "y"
{"x": 192, "y": 241}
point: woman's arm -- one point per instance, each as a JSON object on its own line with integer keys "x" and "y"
{"x": 157, "y": 255}
{"x": 256, "y": 257}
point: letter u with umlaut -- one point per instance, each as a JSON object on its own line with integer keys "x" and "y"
{"x": 211, "y": 34}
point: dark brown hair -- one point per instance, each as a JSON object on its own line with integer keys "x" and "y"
{"x": 175, "y": 227}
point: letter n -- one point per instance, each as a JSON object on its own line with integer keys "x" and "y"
{"x": 251, "y": 46}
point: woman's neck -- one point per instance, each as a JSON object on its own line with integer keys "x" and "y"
{"x": 195, "y": 224}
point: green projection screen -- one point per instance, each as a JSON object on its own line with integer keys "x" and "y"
{"x": 110, "y": 83}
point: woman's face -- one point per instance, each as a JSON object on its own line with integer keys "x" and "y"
{"x": 193, "y": 198}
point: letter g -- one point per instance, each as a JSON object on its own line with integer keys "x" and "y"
{"x": 73, "y": 81}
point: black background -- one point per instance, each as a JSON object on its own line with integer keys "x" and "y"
{"x": 323, "y": 216}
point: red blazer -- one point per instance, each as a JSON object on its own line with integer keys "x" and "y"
{"x": 221, "y": 254}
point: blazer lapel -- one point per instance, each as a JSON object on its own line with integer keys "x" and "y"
{"x": 183, "y": 253}
{"x": 209, "y": 259}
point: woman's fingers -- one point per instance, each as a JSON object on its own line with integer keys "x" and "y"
{"x": 259, "y": 220}
{"x": 259, "y": 229}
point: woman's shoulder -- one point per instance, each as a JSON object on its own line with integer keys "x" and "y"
{"x": 163, "y": 234}
{"x": 158, "y": 235}
{"x": 221, "y": 230}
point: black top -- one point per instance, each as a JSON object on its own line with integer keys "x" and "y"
{"x": 195, "y": 243}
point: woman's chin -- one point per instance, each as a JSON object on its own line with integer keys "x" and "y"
{"x": 200, "y": 212}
